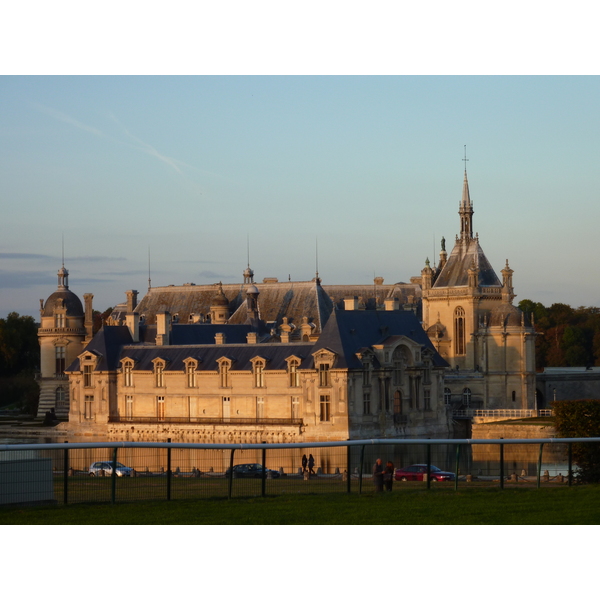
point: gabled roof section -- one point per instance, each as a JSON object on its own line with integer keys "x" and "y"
{"x": 349, "y": 331}
{"x": 107, "y": 343}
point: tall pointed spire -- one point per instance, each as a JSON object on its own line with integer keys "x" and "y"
{"x": 466, "y": 208}
{"x": 63, "y": 274}
{"x": 248, "y": 272}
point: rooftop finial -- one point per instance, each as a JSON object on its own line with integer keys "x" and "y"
{"x": 465, "y": 158}
{"x": 149, "y": 280}
{"x": 317, "y": 260}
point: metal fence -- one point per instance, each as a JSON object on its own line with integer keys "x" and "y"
{"x": 135, "y": 471}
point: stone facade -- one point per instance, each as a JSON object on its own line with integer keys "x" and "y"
{"x": 337, "y": 388}
{"x": 469, "y": 317}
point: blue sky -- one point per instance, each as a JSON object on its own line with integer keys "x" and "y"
{"x": 369, "y": 167}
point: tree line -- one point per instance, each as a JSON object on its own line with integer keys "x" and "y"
{"x": 568, "y": 337}
{"x": 20, "y": 359}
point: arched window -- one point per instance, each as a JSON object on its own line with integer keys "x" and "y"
{"x": 293, "y": 372}
{"x": 128, "y": 374}
{"x": 224, "y": 373}
{"x": 190, "y": 370}
{"x": 447, "y": 396}
{"x": 159, "y": 374}
{"x": 259, "y": 376}
{"x": 466, "y": 395}
{"x": 460, "y": 346}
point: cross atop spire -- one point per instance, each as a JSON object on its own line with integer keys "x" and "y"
{"x": 466, "y": 208}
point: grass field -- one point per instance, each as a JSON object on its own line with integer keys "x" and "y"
{"x": 411, "y": 505}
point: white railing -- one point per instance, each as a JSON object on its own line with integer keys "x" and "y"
{"x": 506, "y": 413}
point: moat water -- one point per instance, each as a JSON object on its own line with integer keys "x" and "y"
{"x": 477, "y": 460}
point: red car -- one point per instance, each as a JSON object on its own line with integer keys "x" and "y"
{"x": 416, "y": 473}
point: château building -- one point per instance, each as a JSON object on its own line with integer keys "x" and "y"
{"x": 294, "y": 361}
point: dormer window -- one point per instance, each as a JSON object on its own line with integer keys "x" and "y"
{"x": 259, "y": 375}
{"x": 366, "y": 373}
{"x": 190, "y": 373}
{"x": 294, "y": 376}
{"x": 128, "y": 374}
{"x": 87, "y": 375}
{"x": 159, "y": 373}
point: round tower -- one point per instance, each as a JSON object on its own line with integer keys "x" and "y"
{"x": 62, "y": 336}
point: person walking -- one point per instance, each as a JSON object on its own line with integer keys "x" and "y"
{"x": 388, "y": 476}
{"x": 311, "y": 464}
{"x": 304, "y": 463}
{"x": 378, "y": 475}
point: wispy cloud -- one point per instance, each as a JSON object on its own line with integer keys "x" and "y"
{"x": 96, "y": 258}
{"x": 59, "y": 116}
{"x": 147, "y": 148}
{"x": 213, "y": 275}
{"x": 19, "y": 279}
{"x": 20, "y": 255}
{"x": 139, "y": 144}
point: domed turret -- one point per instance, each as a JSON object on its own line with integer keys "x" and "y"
{"x": 219, "y": 307}
{"x": 62, "y": 336}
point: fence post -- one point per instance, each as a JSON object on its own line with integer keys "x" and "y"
{"x": 539, "y": 474}
{"x": 65, "y": 474}
{"x": 113, "y": 480}
{"x": 168, "y": 469}
{"x": 570, "y": 474}
{"x": 349, "y": 482}
{"x": 428, "y": 466}
{"x": 501, "y": 465}
{"x": 456, "y": 469}
{"x": 264, "y": 472}
{"x": 360, "y": 471}
{"x": 230, "y": 482}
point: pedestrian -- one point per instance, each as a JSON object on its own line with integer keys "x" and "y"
{"x": 311, "y": 464}
{"x": 378, "y": 475}
{"x": 304, "y": 462}
{"x": 388, "y": 476}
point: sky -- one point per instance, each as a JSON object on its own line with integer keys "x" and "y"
{"x": 193, "y": 175}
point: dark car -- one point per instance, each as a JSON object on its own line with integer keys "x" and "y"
{"x": 251, "y": 470}
{"x": 416, "y": 473}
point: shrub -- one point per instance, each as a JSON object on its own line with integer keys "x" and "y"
{"x": 581, "y": 418}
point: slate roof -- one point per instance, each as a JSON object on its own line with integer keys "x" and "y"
{"x": 106, "y": 344}
{"x": 71, "y": 302}
{"x": 291, "y": 299}
{"x": 464, "y": 254}
{"x": 276, "y": 300}
{"x": 347, "y": 331}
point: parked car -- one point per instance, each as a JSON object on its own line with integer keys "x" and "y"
{"x": 251, "y": 470}
{"x": 106, "y": 466}
{"x": 416, "y": 473}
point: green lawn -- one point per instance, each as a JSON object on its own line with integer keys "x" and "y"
{"x": 414, "y": 505}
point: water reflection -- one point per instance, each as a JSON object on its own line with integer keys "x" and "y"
{"x": 477, "y": 460}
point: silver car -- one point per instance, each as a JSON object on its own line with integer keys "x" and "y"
{"x": 96, "y": 469}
